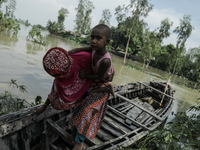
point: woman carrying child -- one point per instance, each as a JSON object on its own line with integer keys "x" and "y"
{"x": 89, "y": 113}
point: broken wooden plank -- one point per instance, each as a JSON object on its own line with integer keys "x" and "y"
{"x": 62, "y": 133}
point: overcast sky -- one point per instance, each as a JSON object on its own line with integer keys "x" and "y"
{"x": 40, "y": 11}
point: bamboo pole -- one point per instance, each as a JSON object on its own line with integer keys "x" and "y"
{"x": 165, "y": 91}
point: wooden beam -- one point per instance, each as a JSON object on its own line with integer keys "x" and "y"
{"x": 119, "y": 121}
{"x": 143, "y": 126}
{"x": 114, "y": 126}
{"x": 157, "y": 90}
{"x": 24, "y": 139}
{"x": 152, "y": 114}
{"x": 16, "y": 121}
{"x": 62, "y": 133}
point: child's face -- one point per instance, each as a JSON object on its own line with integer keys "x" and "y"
{"x": 98, "y": 39}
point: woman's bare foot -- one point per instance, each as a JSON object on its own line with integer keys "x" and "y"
{"x": 40, "y": 109}
{"x": 111, "y": 90}
{"x": 78, "y": 146}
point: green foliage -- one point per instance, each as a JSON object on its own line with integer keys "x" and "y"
{"x": 40, "y": 27}
{"x": 10, "y": 8}
{"x": 62, "y": 13}
{"x": 10, "y": 103}
{"x": 8, "y": 25}
{"x": 106, "y": 15}
{"x": 131, "y": 24}
{"x": 36, "y": 36}
{"x": 83, "y": 17}
{"x": 52, "y": 27}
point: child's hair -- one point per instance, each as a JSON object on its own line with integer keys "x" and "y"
{"x": 57, "y": 62}
{"x": 105, "y": 28}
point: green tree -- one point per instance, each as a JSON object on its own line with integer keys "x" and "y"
{"x": 83, "y": 18}
{"x": 105, "y": 19}
{"x": 184, "y": 31}
{"x": 195, "y": 58}
{"x": 10, "y": 8}
{"x": 165, "y": 59}
{"x": 61, "y": 19}
{"x": 2, "y": 1}
{"x": 62, "y": 13}
{"x": 137, "y": 9}
{"x": 52, "y": 27}
{"x": 150, "y": 46}
{"x": 164, "y": 29}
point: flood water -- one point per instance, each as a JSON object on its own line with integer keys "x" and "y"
{"x": 22, "y": 60}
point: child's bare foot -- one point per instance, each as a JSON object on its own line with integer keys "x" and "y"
{"x": 40, "y": 109}
{"x": 78, "y": 146}
{"x": 111, "y": 90}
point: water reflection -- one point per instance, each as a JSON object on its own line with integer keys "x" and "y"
{"x": 33, "y": 48}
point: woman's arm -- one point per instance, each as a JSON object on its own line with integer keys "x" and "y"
{"x": 76, "y": 50}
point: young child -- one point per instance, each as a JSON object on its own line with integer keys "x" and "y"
{"x": 89, "y": 113}
{"x": 68, "y": 86}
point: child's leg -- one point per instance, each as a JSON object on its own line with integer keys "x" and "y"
{"x": 108, "y": 89}
{"x": 42, "y": 108}
{"x": 79, "y": 139}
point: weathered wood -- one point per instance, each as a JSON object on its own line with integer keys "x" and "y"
{"x": 102, "y": 137}
{"x": 126, "y": 99}
{"x": 110, "y": 144}
{"x": 10, "y": 126}
{"x": 62, "y": 133}
{"x": 145, "y": 127}
{"x": 157, "y": 90}
{"x": 3, "y": 146}
{"x": 24, "y": 139}
{"x": 53, "y": 147}
{"x": 119, "y": 121}
{"x": 55, "y": 130}
{"x": 108, "y": 130}
{"x": 46, "y": 136}
{"x": 114, "y": 126}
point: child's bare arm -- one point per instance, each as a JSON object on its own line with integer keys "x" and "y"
{"x": 76, "y": 50}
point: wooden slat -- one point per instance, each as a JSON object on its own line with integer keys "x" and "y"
{"x": 143, "y": 126}
{"x": 46, "y": 136}
{"x": 102, "y": 137}
{"x": 119, "y": 121}
{"x": 114, "y": 126}
{"x": 152, "y": 114}
{"x": 62, "y": 133}
{"x": 115, "y": 134}
{"x": 24, "y": 139}
{"x": 9, "y": 126}
{"x": 53, "y": 147}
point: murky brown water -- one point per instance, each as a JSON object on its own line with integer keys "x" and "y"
{"x": 22, "y": 60}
